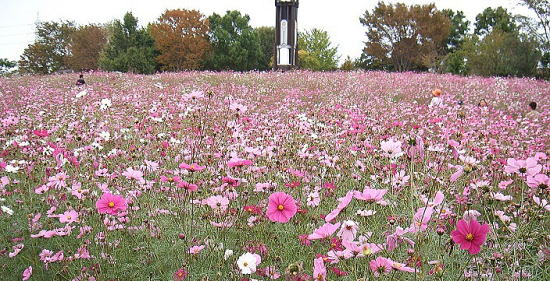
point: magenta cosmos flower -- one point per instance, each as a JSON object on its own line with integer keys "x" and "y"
{"x": 281, "y": 207}
{"x": 470, "y": 235}
{"x": 192, "y": 168}
{"x": 111, "y": 204}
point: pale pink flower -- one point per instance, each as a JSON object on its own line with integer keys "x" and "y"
{"x": 68, "y": 217}
{"x": 319, "y": 270}
{"x": 196, "y": 249}
{"x": 313, "y": 199}
{"x": 541, "y": 181}
{"x": 134, "y": 174}
{"x": 343, "y": 202}
{"x": 528, "y": 167}
{"x": 392, "y": 149}
{"x": 371, "y": 195}
{"x": 77, "y": 191}
{"x": 218, "y": 202}
{"x": 471, "y": 215}
{"x": 16, "y": 249}
{"x": 542, "y": 202}
{"x": 324, "y": 231}
{"x": 380, "y": 265}
{"x": 27, "y": 273}
{"x": 348, "y": 230}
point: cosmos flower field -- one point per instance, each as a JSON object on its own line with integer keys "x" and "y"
{"x": 273, "y": 176}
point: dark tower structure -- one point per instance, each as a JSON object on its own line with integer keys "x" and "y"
{"x": 286, "y": 34}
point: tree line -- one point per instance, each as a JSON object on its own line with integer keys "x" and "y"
{"x": 399, "y": 38}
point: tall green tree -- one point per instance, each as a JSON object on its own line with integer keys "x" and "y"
{"x": 498, "y": 18}
{"x": 129, "y": 48}
{"x": 503, "y": 53}
{"x": 542, "y": 10}
{"x": 266, "y": 35}
{"x": 235, "y": 45}
{"x": 50, "y": 50}
{"x": 6, "y": 65}
{"x": 458, "y": 29}
{"x": 316, "y": 51}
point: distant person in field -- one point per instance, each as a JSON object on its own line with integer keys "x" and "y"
{"x": 80, "y": 81}
{"x": 533, "y": 113}
{"x": 482, "y": 103}
{"x": 436, "y": 99}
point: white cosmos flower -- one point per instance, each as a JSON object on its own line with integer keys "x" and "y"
{"x": 105, "y": 103}
{"x": 82, "y": 93}
{"x": 247, "y": 263}
{"x": 11, "y": 169}
{"x": 7, "y": 210}
{"x": 227, "y": 254}
{"x": 105, "y": 135}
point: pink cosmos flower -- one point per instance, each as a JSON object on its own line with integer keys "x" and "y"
{"x": 421, "y": 219}
{"x": 77, "y": 191}
{"x": 470, "y": 235}
{"x": 380, "y": 265}
{"x": 319, "y": 270}
{"x": 134, "y": 174}
{"x": 281, "y": 207}
{"x": 458, "y": 172}
{"x": 239, "y": 108}
{"x": 371, "y": 195}
{"x": 27, "y": 273}
{"x": 343, "y": 203}
{"x": 392, "y": 149}
{"x": 175, "y": 179}
{"x": 401, "y": 266}
{"x": 348, "y": 230}
{"x": 188, "y": 186}
{"x": 180, "y": 274}
{"x": 41, "y": 133}
{"x": 192, "y": 168}
{"x": 505, "y": 184}
{"x": 68, "y": 217}
{"x": 196, "y": 249}
{"x": 16, "y": 249}
{"x": 238, "y": 162}
{"x": 194, "y": 95}
{"x": 542, "y": 203}
{"x": 111, "y": 204}
{"x": 529, "y": 167}
{"x": 324, "y": 231}
{"x": 541, "y": 181}
{"x": 217, "y": 202}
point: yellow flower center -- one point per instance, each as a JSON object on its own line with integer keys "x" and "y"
{"x": 367, "y": 250}
{"x": 111, "y": 204}
{"x": 180, "y": 274}
{"x": 245, "y": 264}
{"x": 469, "y": 237}
{"x": 68, "y": 217}
{"x": 280, "y": 207}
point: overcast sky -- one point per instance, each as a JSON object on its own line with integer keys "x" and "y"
{"x": 339, "y": 18}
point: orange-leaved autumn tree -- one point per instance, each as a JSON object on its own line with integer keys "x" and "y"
{"x": 87, "y": 42}
{"x": 181, "y": 37}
